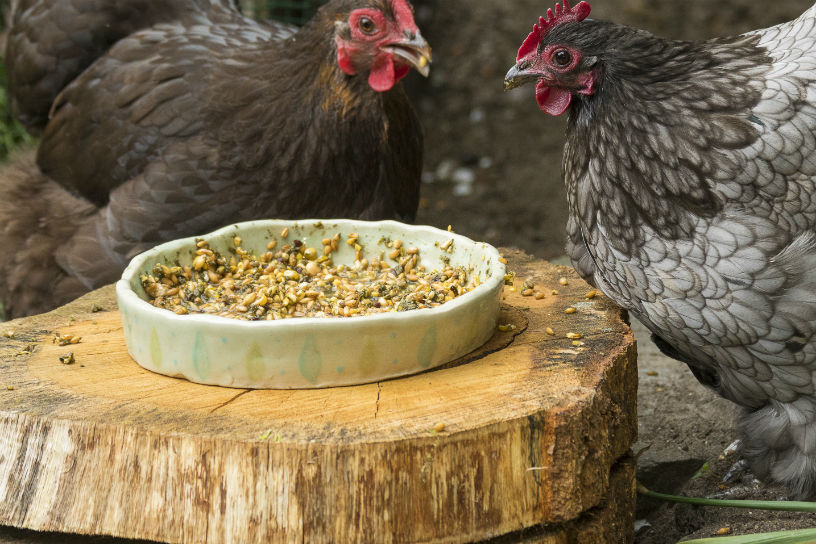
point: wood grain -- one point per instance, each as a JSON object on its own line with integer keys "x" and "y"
{"x": 533, "y": 426}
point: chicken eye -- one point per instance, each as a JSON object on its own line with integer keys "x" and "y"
{"x": 562, "y": 58}
{"x": 367, "y": 25}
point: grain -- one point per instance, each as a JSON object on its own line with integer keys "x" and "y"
{"x": 291, "y": 281}
{"x": 67, "y": 359}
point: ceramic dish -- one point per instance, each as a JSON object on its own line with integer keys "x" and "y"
{"x": 312, "y": 352}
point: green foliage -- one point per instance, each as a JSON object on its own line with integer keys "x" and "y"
{"x": 804, "y": 536}
{"x": 782, "y": 506}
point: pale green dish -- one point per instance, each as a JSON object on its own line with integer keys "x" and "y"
{"x": 312, "y": 352}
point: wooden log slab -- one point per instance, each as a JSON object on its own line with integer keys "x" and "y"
{"x": 527, "y": 436}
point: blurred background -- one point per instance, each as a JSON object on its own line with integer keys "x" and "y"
{"x": 493, "y": 159}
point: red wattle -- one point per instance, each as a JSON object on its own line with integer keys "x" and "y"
{"x": 402, "y": 71}
{"x": 382, "y": 77}
{"x": 552, "y": 100}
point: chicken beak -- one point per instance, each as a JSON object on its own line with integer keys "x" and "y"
{"x": 517, "y": 77}
{"x": 414, "y": 51}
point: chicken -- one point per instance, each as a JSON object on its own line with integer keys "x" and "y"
{"x": 690, "y": 171}
{"x": 162, "y": 119}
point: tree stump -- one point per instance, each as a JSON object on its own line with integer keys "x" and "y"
{"x": 527, "y": 438}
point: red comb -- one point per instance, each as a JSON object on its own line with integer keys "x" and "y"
{"x": 404, "y": 15}
{"x": 564, "y": 14}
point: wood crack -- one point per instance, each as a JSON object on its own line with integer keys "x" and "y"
{"x": 242, "y": 393}
{"x": 377, "y": 406}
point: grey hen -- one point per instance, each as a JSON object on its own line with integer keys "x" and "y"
{"x": 162, "y": 119}
{"x": 691, "y": 176}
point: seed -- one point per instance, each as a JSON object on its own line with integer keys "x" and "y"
{"x": 539, "y": 296}
{"x": 439, "y": 427}
{"x": 446, "y": 245}
{"x": 68, "y": 359}
{"x": 554, "y": 291}
{"x": 271, "y": 245}
{"x": 10, "y": 388}
{"x": 237, "y": 241}
{"x": 570, "y": 310}
{"x": 327, "y": 250}
{"x": 563, "y": 281}
{"x": 724, "y": 531}
{"x": 285, "y": 232}
{"x": 202, "y": 243}
{"x": 249, "y": 299}
{"x": 574, "y": 336}
{"x": 312, "y": 269}
{"x": 199, "y": 262}
{"x": 529, "y": 283}
{"x": 549, "y": 331}
{"x": 507, "y": 328}
{"x": 66, "y": 339}
{"x": 502, "y": 260}
{"x": 527, "y": 293}
{"x": 591, "y": 295}
{"x": 310, "y": 253}
{"x": 394, "y": 254}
